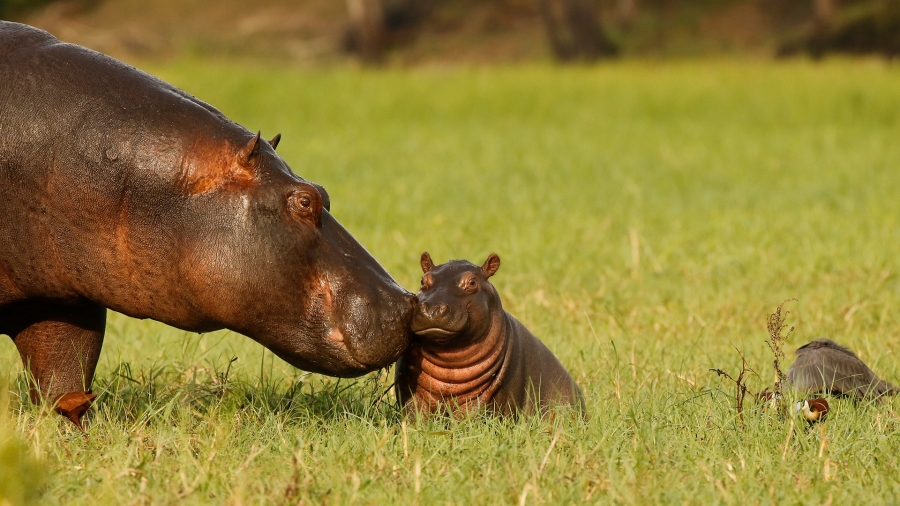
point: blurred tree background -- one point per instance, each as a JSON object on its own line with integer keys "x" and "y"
{"x": 409, "y": 32}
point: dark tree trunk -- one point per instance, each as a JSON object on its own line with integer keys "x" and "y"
{"x": 377, "y": 25}
{"x": 626, "y": 10}
{"x": 823, "y": 19}
{"x": 824, "y": 11}
{"x": 574, "y": 31}
{"x": 366, "y": 32}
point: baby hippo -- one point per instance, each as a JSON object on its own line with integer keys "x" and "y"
{"x": 470, "y": 353}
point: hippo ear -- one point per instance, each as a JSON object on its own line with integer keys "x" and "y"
{"x": 426, "y": 262}
{"x": 275, "y": 140}
{"x": 249, "y": 153}
{"x": 490, "y": 265}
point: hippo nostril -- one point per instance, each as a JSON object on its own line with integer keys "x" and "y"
{"x": 422, "y": 307}
{"x": 443, "y": 309}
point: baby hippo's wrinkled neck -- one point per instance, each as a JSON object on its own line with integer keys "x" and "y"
{"x": 467, "y": 375}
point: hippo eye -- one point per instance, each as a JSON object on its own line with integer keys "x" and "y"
{"x": 303, "y": 205}
{"x": 470, "y": 285}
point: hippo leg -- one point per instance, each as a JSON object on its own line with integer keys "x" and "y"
{"x": 59, "y": 345}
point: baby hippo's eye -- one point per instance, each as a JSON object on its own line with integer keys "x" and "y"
{"x": 470, "y": 284}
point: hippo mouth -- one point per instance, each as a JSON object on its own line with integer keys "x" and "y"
{"x": 352, "y": 365}
{"x": 361, "y": 353}
{"x": 450, "y": 323}
{"x": 331, "y": 357}
{"x": 442, "y": 332}
{"x": 335, "y": 345}
{"x": 434, "y": 333}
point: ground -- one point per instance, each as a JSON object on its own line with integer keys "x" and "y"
{"x": 649, "y": 216}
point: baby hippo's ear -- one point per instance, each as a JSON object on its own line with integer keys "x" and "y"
{"x": 490, "y": 265}
{"x": 426, "y": 262}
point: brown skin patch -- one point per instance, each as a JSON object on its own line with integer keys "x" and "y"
{"x": 73, "y": 405}
{"x": 327, "y": 307}
{"x": 210, "y": 168}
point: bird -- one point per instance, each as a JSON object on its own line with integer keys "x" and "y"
{"x": 73, "y": 405}
{"x": 823, "y": 366}
{"x": 814, "y": 410}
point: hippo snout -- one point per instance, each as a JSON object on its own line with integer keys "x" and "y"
{"x": 376, "y": 334}
{"x": 437, "y": 321}
{"x": 434, "y": 311}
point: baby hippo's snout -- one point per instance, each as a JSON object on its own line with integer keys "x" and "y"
{"x": 436, "y": 321}
{"x": 433, "y": 312}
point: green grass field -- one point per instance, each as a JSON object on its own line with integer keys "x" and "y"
{"x": 649, "y": 217}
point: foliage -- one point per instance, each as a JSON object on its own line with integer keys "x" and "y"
{"x": 21, "y": 475}
{"x": 10, "y": 7}
{"x": 648, "y": 216}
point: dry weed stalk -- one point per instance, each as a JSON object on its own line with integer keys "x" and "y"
{"x": 741, "y": 389}
{"x": 293, "y": 486}
{"x": 775, "y": 324}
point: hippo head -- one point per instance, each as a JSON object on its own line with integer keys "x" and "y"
{"x": 288, "y": 275}
{"x": 456, "y": 301}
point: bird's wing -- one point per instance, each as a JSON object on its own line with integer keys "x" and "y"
{"x": 831, "y": 369}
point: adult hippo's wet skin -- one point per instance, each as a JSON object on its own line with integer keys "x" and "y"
{"x": 469, "y": 353}
{"x": 120, "y": 191}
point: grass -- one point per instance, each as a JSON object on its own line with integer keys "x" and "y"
{"x": 649, "y": 217}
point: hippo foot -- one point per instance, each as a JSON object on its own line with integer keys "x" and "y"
{"x": 73, "y": 405}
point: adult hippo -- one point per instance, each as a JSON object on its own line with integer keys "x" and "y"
{"x": 120, "y": 191}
